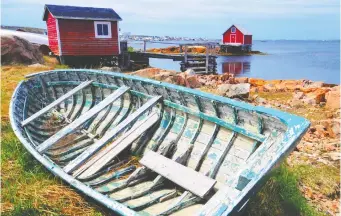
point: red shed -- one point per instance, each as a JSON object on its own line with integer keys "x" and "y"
{"x": 82, "y": 31}
{"x": 237, "y": 36}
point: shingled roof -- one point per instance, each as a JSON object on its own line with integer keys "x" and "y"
{"x": 83, "y": 13}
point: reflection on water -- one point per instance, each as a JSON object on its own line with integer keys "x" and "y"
{"x": 236, "y": 68}
{"x": 237, "y": 65}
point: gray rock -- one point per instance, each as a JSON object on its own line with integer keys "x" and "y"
{"x": 113, "y": 69}
{"x": 234, "y": 90}
{"x": 311, "y": 84}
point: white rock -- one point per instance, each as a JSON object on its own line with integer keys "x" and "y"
{"x": 37, "y": 65}
{"x": 190, "y": 72}
{"x": 114, "y": 69}
{"x": 234, "y": 90}
{"x": 335, "y": 156}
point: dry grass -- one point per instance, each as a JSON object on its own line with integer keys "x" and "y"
{"x": 278, "y": 96}
{"x": 312, "y": 113}
{"x": 27, "y": 188}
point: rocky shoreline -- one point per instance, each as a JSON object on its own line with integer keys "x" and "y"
{"x": 306, "y": 91}
{"x": 317, "y": 101}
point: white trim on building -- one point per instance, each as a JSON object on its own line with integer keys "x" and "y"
{"x": 58, "y": 38}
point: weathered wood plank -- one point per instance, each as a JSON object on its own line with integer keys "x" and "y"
{"x": 115, "y": 148}
{"x": 82, "y": 119}
{"x": 55, "y": 103}
{"x": 149, "y": 199}
{"x": 111, "y": 134}
{"x": 187, "y": 178}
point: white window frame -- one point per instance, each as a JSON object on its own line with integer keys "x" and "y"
{"x": 103, "y": 23}
{"x": 233, "y": 28}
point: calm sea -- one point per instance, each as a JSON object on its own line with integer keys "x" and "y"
{"x": 285, "y": 59}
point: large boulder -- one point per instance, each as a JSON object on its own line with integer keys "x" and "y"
{"x": 190, "y": 72}
{"x": 16, "y": 50}
{"x": 316, "y": 96}
{"x": 193, "y": 82}
{"x": 333, "y": 98}
{"x": 234, "y": 90}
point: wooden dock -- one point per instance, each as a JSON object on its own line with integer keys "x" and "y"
{"x": 200, "y": 63}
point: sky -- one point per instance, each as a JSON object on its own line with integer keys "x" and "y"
{"x": 265, "y": 19}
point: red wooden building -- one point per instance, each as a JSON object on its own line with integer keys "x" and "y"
{"x": 237, "y": 35}
{"x": 82, "y": 32}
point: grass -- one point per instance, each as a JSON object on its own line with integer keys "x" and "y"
{"x": 281, "y": 196}
{"x": 29, "y": 189}
{"x": 321, "y": 178}
{"x": 279, "y": 96}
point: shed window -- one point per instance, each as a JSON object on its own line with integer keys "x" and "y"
{"x": 103, "y": 29}
{"x": 233, "y": 29}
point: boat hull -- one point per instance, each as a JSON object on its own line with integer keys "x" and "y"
{"x": 95, "y": 139}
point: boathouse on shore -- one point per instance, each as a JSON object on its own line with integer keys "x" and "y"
{"x": 237, "y": 38}
{"x": 82, "y": 33}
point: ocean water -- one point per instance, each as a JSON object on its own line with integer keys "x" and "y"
{"x": 285, "y": 59}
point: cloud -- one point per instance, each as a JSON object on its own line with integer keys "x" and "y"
{"x": 183, "y": 10}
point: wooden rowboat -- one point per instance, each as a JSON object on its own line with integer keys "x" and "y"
{"x": 144, "y": 147}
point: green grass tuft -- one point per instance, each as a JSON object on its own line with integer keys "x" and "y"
{"x": 280, "y": 196}
{"x": 321, "y": 178}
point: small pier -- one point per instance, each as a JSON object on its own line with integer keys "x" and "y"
{"x": 201, "y": 63}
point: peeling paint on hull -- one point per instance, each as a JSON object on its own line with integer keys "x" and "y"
{"x": 232, "y": 142}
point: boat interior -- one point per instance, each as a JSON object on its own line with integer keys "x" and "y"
{"x": 156, "y": 149}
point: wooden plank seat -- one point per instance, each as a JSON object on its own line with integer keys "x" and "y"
{"x": 77, "y": 162}
{"x": 82, "y": 119}
{"x": 111, "y": 151}
{"x": 185, "y": 177}
{"x": 55, "y": 103}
